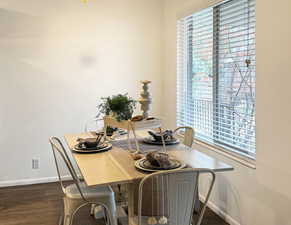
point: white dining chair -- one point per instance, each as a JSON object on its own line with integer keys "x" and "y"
{"x": 78, "y": 195}
{"x": 169, "y": 197}
{"x": 186, "y": 134}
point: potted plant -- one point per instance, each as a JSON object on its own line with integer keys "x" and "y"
{"x": 119, "y": 106}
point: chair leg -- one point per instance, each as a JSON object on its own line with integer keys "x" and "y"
{"x": 111, "y": 214}
{"x": 69, "y": 208}
{"x": 92, "y": 209}
{"x": 61, "y": 220}
{"x": 110, "y": 209}
{"x": 99, "y": 212}
{"x": 107, "y": 222}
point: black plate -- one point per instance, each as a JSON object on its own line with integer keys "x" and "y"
{"x": 144, "y": 164}
{"x": 151, "y": 141}
{"x": 101, "y": 148}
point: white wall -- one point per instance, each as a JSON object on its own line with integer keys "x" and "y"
{"x": 57, "y": 59}
{"x": 261, "y": 196}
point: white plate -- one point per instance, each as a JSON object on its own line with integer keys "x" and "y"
{"x": 138, "y": 166}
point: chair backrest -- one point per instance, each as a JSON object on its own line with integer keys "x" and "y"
{"x": 188, "y": 135}
{"x": 169, "y": 197}
{"x": 62, "y": 159}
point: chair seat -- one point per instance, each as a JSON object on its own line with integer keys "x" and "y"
{"x": 71, "y": 191}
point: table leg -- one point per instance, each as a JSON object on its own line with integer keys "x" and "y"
{"x": 130, "y": 192}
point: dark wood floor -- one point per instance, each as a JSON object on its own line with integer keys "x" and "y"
{"x": 41, "y": 204}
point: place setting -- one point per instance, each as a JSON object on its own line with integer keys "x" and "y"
{"x": 158, "y": 161}
{"x": 92, "y": 145}
{"x": 157, "y": 138}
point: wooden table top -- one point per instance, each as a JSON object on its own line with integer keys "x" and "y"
{"x": 116, "y": 166}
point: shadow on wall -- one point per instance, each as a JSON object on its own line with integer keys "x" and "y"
{"x": 224, "y": 193}
{"x": 230, "y": 197}
{"x": 19, "y": 25}
{"x": 274, "y": 206}
{"x": 21, "y": 37}
{"x": 29, "y": 91}
{"x": 17, "y": 75}
{"x": 41, "y": 69}
{"x": 29, "y": 36}
{"x": 275, "y": 203}
{"x": 24, "y": 100}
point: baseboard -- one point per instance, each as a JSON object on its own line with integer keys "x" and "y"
{"x": 31, "y": 181}
{"x": 220, "y": 212}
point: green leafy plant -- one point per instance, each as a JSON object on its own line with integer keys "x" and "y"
{"x": 122, "y": 106}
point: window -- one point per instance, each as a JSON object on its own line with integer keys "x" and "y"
{"x": 216, "y": 75}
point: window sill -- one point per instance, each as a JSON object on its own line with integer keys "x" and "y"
{"x": 246, "y": 161}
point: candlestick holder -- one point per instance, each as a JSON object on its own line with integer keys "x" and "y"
{"x": 145, "y": 99}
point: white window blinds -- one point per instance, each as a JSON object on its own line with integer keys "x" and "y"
{"x": 216, "y": 75}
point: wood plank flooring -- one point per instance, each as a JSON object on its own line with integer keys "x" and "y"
{"x": 41, "y": 204}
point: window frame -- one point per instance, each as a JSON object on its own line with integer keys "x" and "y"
{"x": 239, "y": 153}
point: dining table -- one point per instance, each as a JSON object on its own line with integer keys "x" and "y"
{"x": 117, "y": 166}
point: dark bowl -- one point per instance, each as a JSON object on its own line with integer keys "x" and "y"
{"x": 167, "y": 135}
{"x": 90, "y": 142}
